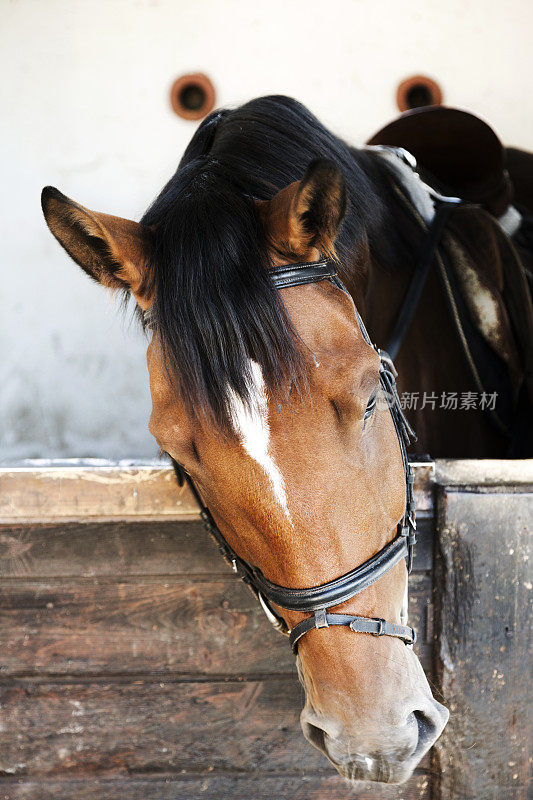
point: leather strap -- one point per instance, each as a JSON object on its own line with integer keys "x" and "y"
{"x": 309, "y": 599}
{"x": 372, "y": 625}
{"x": 299, "y": 274}
{"x": 336, "y": 591}
{"x": 420, "y": 275}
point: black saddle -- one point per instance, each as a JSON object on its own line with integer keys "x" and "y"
{"x": 460, "y": 151}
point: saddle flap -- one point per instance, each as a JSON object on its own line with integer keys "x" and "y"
{"x": 487, "y": 269}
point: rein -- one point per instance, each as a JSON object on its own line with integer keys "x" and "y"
{"x": 317, "y": 600}
{"x": 444, "y": 205}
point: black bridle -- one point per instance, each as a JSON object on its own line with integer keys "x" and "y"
{"x": 317, "y": 600}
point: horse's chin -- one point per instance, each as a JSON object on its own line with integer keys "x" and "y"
{"x": 367, "y": 770}
{"x": 358, "y": 768}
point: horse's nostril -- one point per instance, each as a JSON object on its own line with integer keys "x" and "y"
{"x": 429, "y": 729}
{"x": 315, "y": 736}
{"x": 425, "y": 726}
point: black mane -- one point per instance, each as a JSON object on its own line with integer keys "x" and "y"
{"x": 214, "y": 307}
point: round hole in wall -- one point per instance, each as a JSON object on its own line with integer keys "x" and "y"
{"x": 418, "y": 91}
{"x": 192, "y": 96}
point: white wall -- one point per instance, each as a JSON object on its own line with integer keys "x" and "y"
{"x": 84, "y": 103}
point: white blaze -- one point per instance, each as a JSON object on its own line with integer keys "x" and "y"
{"x": 252, "y": 426}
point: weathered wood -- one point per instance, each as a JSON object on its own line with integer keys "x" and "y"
{"x": 111, "y": 549}
{"x": 214, "y": 786}
{"x": 161, "y": 726}
{"x": 424, "y": 478}
{"x": 99, "y": 626}
{"x": 484, "y": 625}
{"x": 135, "y": 664}
{"x": 140, "y": 626}
{"x": 78, "y": 491}
{"x": 499, "y": 474}
{"x": 423, "y": 560}
{"x": 125, "y": 549}
{"x": 29, "y": 494}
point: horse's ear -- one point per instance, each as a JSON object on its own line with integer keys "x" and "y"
{"x": 308, "y": 214}
{"x": 113, "y": 251}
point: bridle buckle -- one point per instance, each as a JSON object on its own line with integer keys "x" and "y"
{"x": 386, "y": 362}
{"x": 381, "y": 627}
{"x": 321, "y": 620}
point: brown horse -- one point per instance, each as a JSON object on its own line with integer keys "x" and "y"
{"x": 269, "y": 398}
{"x": 467, "y": 359}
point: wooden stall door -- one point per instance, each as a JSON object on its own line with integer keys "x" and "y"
{"x": 134, "y": 665}
{"x": 484, "y": 579}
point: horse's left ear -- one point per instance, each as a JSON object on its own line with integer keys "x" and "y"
{"x": 111, "y": 250}
{"x": 308, "y": 214}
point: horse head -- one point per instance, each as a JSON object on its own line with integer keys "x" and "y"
{"x": 271, "y": 400}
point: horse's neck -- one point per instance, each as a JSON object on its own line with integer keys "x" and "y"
{"x": 430, "y": 364}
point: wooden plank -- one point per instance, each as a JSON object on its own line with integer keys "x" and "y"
{"x": 423, "y": 561}
{"x": 103, "y": 490}
{"x": 486, "y": 473}
{"x": 151, "y": 727}
{"x": 484, "y": 625}
{"x": 215, "y": 786}
{"x": 100, "y": 492}
{"x": 188, "y": 627}
{"x": 424, "y": 478}
{"x": 126, "y": 549}
{"x": 129, "y": 627}
{"x": 104, "y": 549}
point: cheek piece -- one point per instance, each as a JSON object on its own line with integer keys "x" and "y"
{"x": 318, "y": 600}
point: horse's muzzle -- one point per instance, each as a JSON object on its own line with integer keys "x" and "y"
{"x": 387, "y": 756}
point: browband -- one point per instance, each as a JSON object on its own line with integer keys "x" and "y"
{"x": 298, "y": 274}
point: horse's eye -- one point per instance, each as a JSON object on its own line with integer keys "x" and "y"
{"x": 370, "y": 407}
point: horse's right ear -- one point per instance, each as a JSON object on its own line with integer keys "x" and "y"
{"x": 113, "y": 251}
{"x": 308, "y": 213}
